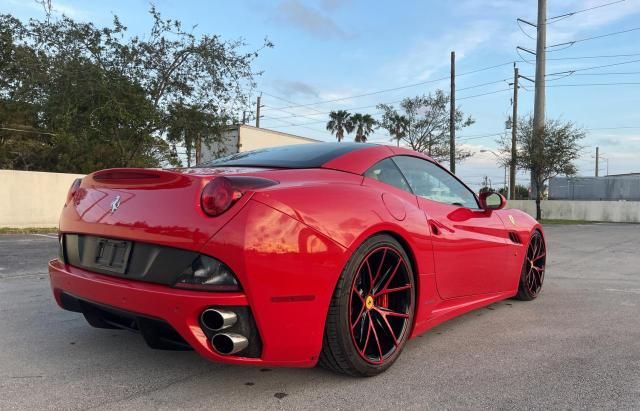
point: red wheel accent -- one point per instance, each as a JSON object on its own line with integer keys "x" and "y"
{"x": 535, "y": 263}
{"x": 380, "y": 304}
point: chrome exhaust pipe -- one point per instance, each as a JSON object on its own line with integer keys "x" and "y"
{"x": 216, "y": 320}
{"x": 229, "y": 343}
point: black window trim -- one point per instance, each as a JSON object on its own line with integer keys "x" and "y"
{"x": 399, "y": 171}
{"x": 392, "y": 158}
{"x": 446, "y": 171}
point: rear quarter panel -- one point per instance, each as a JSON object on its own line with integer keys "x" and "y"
{"x": 349, "y": 208}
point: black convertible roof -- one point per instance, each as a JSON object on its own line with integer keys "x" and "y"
{"x": 312, "y": 155}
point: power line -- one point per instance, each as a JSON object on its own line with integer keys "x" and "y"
{"x": 572, "y": 42}
{"x": 397, "y": 88}
{"x": 292, "y": 114}
{"x": 596, "y": 84}
{"x": 391, "y": 102}
{"x": 621, "y": 63}
{"x": 608, "y": 74}
{"x": 573, "y": 13}
{"x": 580, "y": 57}
{"x": 285, "y": 100}
{"x": 289, "y": 124}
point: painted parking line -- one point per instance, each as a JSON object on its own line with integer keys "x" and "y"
{"x": 46, "y": 235}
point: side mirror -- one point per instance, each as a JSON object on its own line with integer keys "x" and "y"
{"x": 492, "y": 201}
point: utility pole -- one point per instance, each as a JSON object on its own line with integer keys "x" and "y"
{"x": 258, "y": 106}
{"x": 452, "y": 116}
{"x": 514, "y": 133}
{"x": 539, "y": 107}
{"x": 244, "y": 117}
{"x": 597, "y": 160}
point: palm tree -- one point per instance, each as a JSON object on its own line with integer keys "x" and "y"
{"x": 339, "y": 122}
{"x": 399, "y": 127}
{"x": 364, "y": 124}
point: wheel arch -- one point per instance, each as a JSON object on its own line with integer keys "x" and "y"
{"x": 401, "y": 238}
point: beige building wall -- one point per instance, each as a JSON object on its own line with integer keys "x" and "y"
{"x": 31, "y": 198}
{"x": 252, "y": 138}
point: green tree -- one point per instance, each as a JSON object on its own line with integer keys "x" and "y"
{"x": 425, "y": 125}
{"x": 340, "y": 122}
{"x": 397, "y": 125}
{"x": 193, "y": 127}
{"x": 560, "y": 150}
{"x": 84, "y": 97}
{"x": 363, "y": 124}
{"x": 522, "y": 192}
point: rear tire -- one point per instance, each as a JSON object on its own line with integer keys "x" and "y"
{"x": 532, "y": 274}
{"x": 372, "y": 310}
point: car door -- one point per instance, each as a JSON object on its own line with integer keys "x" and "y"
{"x": 470, "y": 244}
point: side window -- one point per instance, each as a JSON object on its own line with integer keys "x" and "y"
{"x": 432, "y": 182}
{"x": 387, "y": 172}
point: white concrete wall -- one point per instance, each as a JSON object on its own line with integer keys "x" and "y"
{"x": 611, "y": 211}
{"x": 31, "y": 198}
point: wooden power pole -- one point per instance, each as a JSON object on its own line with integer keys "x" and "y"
{"x": 597, "y": 160}
{"x": 258, "y": 106}
{"x": 514, "y": 134}
{"x": 452, "y": 116}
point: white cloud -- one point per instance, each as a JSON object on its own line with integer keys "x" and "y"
{"x": 308, "y": 19}
{"x": 429, "y": 55}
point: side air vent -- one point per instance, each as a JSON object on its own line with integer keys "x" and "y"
{"x": 514, "y": 237}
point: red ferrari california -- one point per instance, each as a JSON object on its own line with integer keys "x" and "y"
{"x": 291, "y": 256}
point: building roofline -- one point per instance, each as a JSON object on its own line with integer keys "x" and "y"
{"x": 239, "y": 126}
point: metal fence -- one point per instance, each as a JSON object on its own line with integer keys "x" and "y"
{"x": 609, "y": 188}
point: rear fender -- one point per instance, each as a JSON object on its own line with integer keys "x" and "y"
{"x": 324, "y": 209}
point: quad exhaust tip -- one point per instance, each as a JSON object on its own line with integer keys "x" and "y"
{"x": 229, "y": 343}
{"x": 216, "y": 320}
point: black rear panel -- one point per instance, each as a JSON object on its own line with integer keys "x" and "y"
{"x": 311, "y": 155}
{"x": 127, "y": 259}
{"x": 157, "y": 333}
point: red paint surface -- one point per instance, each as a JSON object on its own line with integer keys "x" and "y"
{"x": 288, "y": 245}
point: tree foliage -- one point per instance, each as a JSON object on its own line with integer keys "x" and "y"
{"x": 75, "y": 97}
{"x": 363, "y": 125}
{"x": 340, "y": 122}
{"x": 522, "y": 192}
{"x": 422, "y": 122}
{"x": 556, "y": 156}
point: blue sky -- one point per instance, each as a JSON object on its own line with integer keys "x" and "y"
{"x": 333, "y": 49}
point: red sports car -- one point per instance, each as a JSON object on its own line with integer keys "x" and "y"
{"x": 317, "y": 253}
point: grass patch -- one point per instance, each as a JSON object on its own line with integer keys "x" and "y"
{"x": 567, "y": 222}
{"x": 28, "y": 230}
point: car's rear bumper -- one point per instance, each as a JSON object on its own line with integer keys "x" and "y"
{"x": 180, "y": 309}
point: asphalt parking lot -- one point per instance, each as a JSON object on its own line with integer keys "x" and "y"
{"x": 577, "y": 346}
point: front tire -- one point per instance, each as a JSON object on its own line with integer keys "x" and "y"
{"x": 372, "y": 310}
{"x": 532, "y": 274}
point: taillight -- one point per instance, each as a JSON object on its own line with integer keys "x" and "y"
{"x": 222, "y": 192}
{"x": 208, "y": 274}
{"x": 73, "y": 189}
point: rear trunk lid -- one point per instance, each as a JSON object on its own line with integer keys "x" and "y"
{"x": 149, "y": 205}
